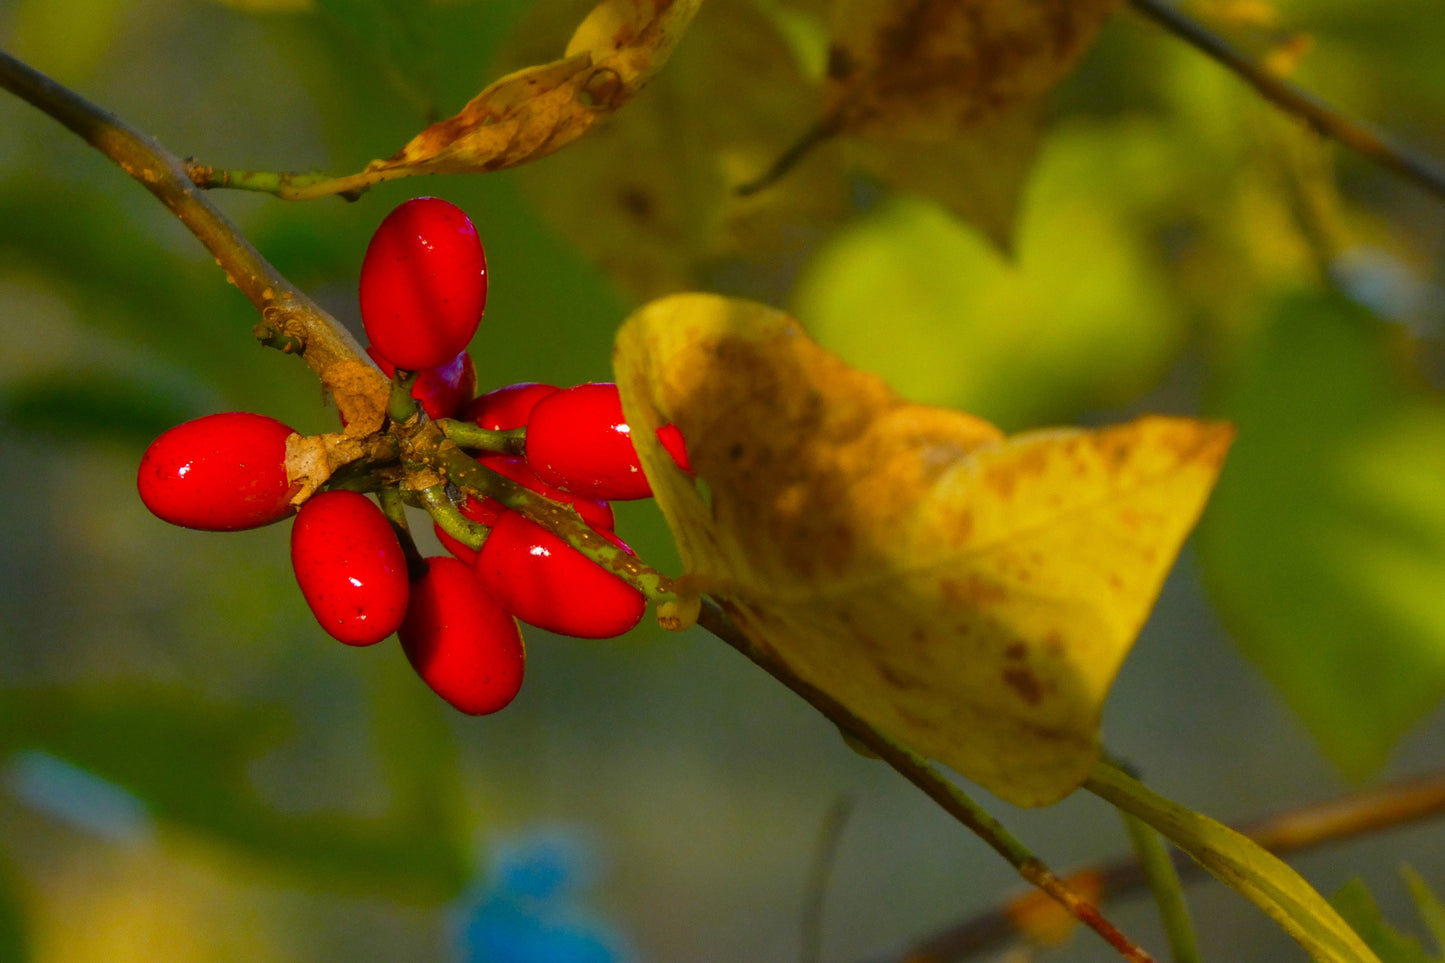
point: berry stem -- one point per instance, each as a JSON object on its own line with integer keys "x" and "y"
{"x": 476, "y": 438}
{"x": 400, "y": 405}
{"x": 394, "y": 508}
{"x": 468, "y": 474}
{"x": 439, "y": 505}
{"x": 287, "y": 185}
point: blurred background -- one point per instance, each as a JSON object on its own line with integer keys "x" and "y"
{"x": 191, "y": 770}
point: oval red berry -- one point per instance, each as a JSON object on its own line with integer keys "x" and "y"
{"x": 460, "y": 640}
{"x": 670, "y": 437}
{"x": 423, "y": 284}
{"x": 220, "y": 473}
{"x": 503, "y": 409}
{"x": 350, "y": 567}
{"x": 545, "y": 582}
{"x": 578, "y": 440}
{"x": 442, "y": 391}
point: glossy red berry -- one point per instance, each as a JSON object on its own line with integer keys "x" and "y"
{"x": 220, "y": 473}
{"x": 503, "y": 409}
{"x": 460, "y": 640}
{"x": 423, "y": 284}
{"x": 350, "y": 567}
{"x": 443, "y": 391}
{"x": 545, "y": 582}
{"x": 596, "y": 513}
{"x": 670, "y": 437}
{"x": 577, "y": 439}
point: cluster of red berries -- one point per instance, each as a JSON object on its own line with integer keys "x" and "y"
{"x": 423, "y": 291}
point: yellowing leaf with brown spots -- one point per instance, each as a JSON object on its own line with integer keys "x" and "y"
{"x": 925, "y": 70}
{"x": 532, "y": 112}
{"x": 649, "y": 196}
{"x": 971, "y": 595}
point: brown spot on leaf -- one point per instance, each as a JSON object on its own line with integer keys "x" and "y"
{"x": 1023, "y": 681}
{"x": 637, "y": 203}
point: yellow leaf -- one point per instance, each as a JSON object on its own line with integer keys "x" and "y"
{"x": 971, "y": 595}
{"x": 532, "y": 112}
{"x": 923, "y": 70}
{"x": 650, "y": 196}
{"x": 978, "y": 176}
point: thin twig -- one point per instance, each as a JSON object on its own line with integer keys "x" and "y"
{"x": 824, "y": 130}
{"x": 916, "y": 770}
{"x": 1345, "y": 817}
{"x": 1357, "y": 135}
{"x": 288, "y": 315}
{"x": 830, "y": 834}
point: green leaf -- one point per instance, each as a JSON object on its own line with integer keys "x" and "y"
{"x": 1428, "y": 904}
{"x": 1358, "y": 907}
{"x": 1243, "y": 865}
{"x": 915, "y": 295}
{"x": 14, "y": 930}
{"x": 1324, "y": 544}
{"x": 97, "y": 405}
{"x": 190, "y": 760}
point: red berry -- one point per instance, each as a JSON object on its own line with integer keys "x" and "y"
{"x": 423, "y": 284}
{"x": 350, "y": 567}
{"x": 545, "y": 582}
{"x": 441, "y": 391}
{"x": 460, "y": 641}
{"x": 596, "y": 513}
{"x": 670, "y": 437}
{"x": 577, "y": 439}
{"x": 506, "y": 408}
{"x": 220, "y": 473}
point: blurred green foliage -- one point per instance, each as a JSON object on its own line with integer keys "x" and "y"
{"x": 1178, "y": 246}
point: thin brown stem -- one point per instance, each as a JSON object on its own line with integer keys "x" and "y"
{"x": 1333, "y": 820}
{"x": 824, "y": 130}
{"x": 1359, "y": 136}
{"x": 719, "y": 621}
{"x": 289, "y": 317}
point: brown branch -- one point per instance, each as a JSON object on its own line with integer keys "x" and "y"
{"x": 718, "y": 620}
{"x": 1333, "y": 820}
{"x": 288, "y": 315}
{"x": 1359, "y": 136}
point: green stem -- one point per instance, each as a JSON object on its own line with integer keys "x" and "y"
{"x": 470, "y": 475}
{"x": 450, "y": 520}
{"x": 286, "y": 311}
{"x": 473, "y": 436}
{"x": 394, "y": 508}
{"x": 1164, "y": 883}
{"x": 400, "y": 405}
{"x": 293, "y": 185}
{"x": 288, "y": 185}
